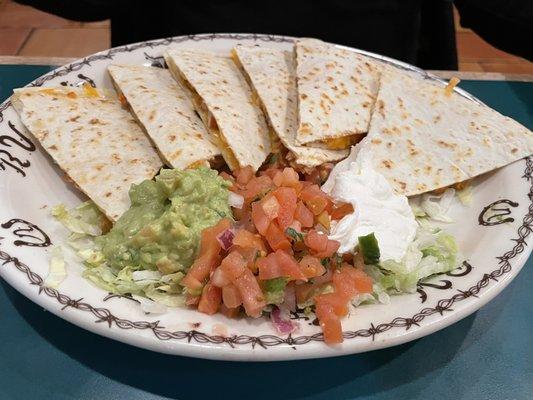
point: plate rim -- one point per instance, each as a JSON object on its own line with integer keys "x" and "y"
{"x": 265, "y": 341}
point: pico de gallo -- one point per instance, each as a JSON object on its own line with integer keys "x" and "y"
{"x": 275, "y": 257}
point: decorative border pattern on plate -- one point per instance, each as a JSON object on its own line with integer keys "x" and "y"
{"x": 444, "y": 305}
{"x": 264, "y": 341}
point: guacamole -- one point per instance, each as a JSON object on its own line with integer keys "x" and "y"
{"x": 161, "y": 230}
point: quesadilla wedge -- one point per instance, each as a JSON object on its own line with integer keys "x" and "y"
{"x": 93, "y": 139}
{"x": 166, "y": 113}
{"x": 272, "y": 76}
{"x": 223, "y": 99}
{"x": 336, "y": 93}
{"x": 424, "y": 136}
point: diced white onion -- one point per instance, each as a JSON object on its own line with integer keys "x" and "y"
{"x": 57, "y": 272}
{"x": 235, "y": 200}
{"x": 146, "y": 275}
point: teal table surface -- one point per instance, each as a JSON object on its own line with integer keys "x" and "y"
{"x": 488, "y": 355}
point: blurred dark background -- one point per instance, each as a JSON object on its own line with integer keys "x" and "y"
{"x": 429, "y": 33}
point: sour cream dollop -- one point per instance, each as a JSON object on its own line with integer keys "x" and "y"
{"x": 377, "y": 208}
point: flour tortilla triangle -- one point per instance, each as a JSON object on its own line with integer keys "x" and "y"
{"x": 93, "y": 139}
{"x": 423, "y": 137}
{"x": 272, "y": 74}
{"x": 224, "y": 101}
{"x": 166, "y": 113}
{"x": 336, "y": 92}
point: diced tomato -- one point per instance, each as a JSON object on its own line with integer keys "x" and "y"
{"x": 331, "y": 248}
{"x": 317, "y": 205}
{"x": 311, "y": 266}
{"x": 287, "y": 198}
{"x": 252, "y": 295}
{"x": 315, "y": 199}
{"x": 338, "y": 303}
{"x": 234, "y": 265}
{"x": 277, "y": 177}
{"x": 246, "y": 239}
{"x": 208, "y": 258}
{"x": 315, "y": 241}
{"x": 329, "y": 322}
{"x": 287, "y": 178}
{"x": 231, "y": 296}
{"x": 210, "y": 299}
{"x": 279, "y": 264}
{"x": 243, "y": 175}
{"x": 269, "y": 267}
{"x": 304, "y": 215}
{"x": 291, "y": 178}
{"x": 362, "y": 282}
{"x": 340, "y": 211}
{"x": 276, "y": 238}
{"x": 319, "y": 244}
{"x": 259, "y": 218}
{"x": 344, "y": 285}
{"x": 229, "y": 312}
{"x": 289, "y": 266}
{"x": 270, "y": 206}
{"x": 347, "y": 283}
{"x": 250, "y": 255}
{"x": 312, "y": 191}
{"x": 257, "y": 187}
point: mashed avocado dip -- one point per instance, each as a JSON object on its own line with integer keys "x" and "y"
{"x": 161, "y": 230}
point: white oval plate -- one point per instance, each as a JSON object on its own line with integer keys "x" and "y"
{"x": 492, "y": 232}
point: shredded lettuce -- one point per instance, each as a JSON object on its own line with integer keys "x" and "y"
{"x": 321, "y": 289}
{"x": 150, "y": 306}
{"x": 432, "y": 252}
{"x": 57, "y": 272}
{"x": 84, "y": 222}
{"x": 85, "y": 219}
{"x": 465, "y": 195}
{"x": 433, "y": 206}
{"x": 274, "y": 290}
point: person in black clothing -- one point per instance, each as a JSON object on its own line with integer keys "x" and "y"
{"x": 419, "y": 32}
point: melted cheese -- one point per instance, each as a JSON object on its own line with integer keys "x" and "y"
{"x": 341, "y": 143}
